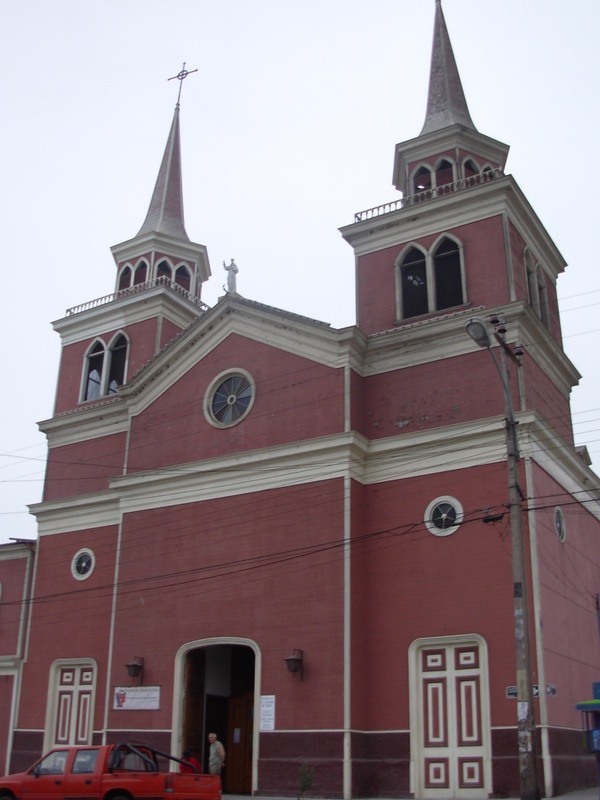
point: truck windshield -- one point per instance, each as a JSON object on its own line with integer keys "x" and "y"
{"x": 52, "y": 764}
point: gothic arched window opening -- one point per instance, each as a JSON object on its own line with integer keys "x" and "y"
{"x": 125, "y": 279}
{"x": 470, "y": 172}
{"x": 543, "y": 295}
{"x": 413, "y": 284}
{"x": 444, "y": 173}
{"x": 164, "y": 270}
{"x": 429, "y": 282}
{"x": 183, "y": 278}
{"x": 94, "y": 363}
{"x": 422, "y": 181}
{"x": 117, "y": 362}
{"x": 140, "y": 274}
{"x": 536, "y": 289}
{"x": 447, "y": 275}
{"x": 104, "y": 368}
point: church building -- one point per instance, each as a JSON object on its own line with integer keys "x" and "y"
{"x": 301, "y": 537}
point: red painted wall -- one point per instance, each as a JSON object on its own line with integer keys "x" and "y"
{"x": 431, "y": 395}
{"x": 84, "y": 467}
{"x": 267, "y": 566}
{"x": 541, "y": 394}
{"x": 568, "y": 584}
{"x": 13, "y": 574}
{"x": 421, "y": 585}
{"x": 70, "y": 618}
{"x": 296, "y": 399}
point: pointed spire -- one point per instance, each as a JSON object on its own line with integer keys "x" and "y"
{"x": 446, "y": 103}
{"x": 165, "y": 214}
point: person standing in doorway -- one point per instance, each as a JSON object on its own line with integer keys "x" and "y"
{"x": 216, "y": 755}
{"x": 192, "y": 765}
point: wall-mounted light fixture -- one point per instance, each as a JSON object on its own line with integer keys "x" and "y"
{"x": 135, "y": 668}
{"x": 294, "y": 662}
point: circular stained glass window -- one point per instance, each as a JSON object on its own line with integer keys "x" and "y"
{"x": 83, "y": 564}
{"x": 229, "y": 398}
{"x": 443, "y": 516}
{"x": 559, "y": 524}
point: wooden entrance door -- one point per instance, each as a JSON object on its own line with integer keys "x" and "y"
{"x": 453, "y": 738}
{"x": 239, "y": 744}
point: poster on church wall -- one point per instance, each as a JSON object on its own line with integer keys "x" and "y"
{"x": 136, "y": 698}
{"x": 267, "y": 712}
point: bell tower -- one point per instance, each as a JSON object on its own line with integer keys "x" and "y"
{"x": 461, "y": 241}
{"x": 162, "y": 251}
{"x": 449, "y": 148}
{"x": 160, "y": 273}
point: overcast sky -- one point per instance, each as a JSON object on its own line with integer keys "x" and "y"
{"x": 288, "y": 128}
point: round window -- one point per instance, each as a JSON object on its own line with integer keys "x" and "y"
{"x": 83, "y": 564}
{"x": 443, "y": 516}
{"x": 229, "y": 398}
{"x": 559, "y": 524}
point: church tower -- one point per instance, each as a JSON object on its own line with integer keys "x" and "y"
{"x": 461, "y": 241}
{"x": 158, "y": 286}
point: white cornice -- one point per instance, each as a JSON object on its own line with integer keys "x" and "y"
{"x": 460, "y": 446}
{"x": 97, "y": 510}
{"x": 430, "y": 145}
{"x": 443, "y": 337}
{"x": 20, "y": 549}
{"x": 166, "y": 245}
{"x": 243, "y": 473}
{"x": 128, "y": 310}
{"x": 408, "y": 345}
{"x": 89, "y": 422}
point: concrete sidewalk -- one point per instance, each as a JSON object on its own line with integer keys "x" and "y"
{"x": 581, "y": 794}
{"x": 592, "y": 793}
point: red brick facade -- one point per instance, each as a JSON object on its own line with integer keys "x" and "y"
{"x": 356, "y": 511}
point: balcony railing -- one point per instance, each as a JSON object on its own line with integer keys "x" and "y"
{"x": 428, "y": 194}
{"x": 133, "y": 290}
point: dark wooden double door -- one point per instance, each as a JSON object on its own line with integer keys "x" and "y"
{"x": 230, "y": 715}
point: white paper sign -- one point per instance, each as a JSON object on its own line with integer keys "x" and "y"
{"x": 136, "y": 698}
{"x": 267, "y": 712}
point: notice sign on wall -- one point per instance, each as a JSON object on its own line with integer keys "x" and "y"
{"x": 267, "y": 712}
{"x": 136, "y": 698}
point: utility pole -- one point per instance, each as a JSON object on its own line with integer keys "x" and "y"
{"x": 527, "y": 744}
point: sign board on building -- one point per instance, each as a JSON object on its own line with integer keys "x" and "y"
{"x": 267, "y": 712}
{"x": 511, "y": 691}
{"x": 136, "y": 698}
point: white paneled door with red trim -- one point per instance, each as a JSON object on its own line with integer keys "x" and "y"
{"x": 74, "y": 705}
{"x": 453, "y": 738}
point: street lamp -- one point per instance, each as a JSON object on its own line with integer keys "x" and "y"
{"x": 528, "y": 775}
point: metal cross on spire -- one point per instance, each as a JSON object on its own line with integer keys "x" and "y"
{"x": 181, "y": 76}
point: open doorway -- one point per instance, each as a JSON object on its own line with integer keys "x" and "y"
{"x": 219, "y": 698}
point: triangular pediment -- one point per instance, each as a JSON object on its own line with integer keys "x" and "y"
{"x": 263, "y": 325}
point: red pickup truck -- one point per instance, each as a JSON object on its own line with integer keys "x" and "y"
{"x": 108, "y": 772}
